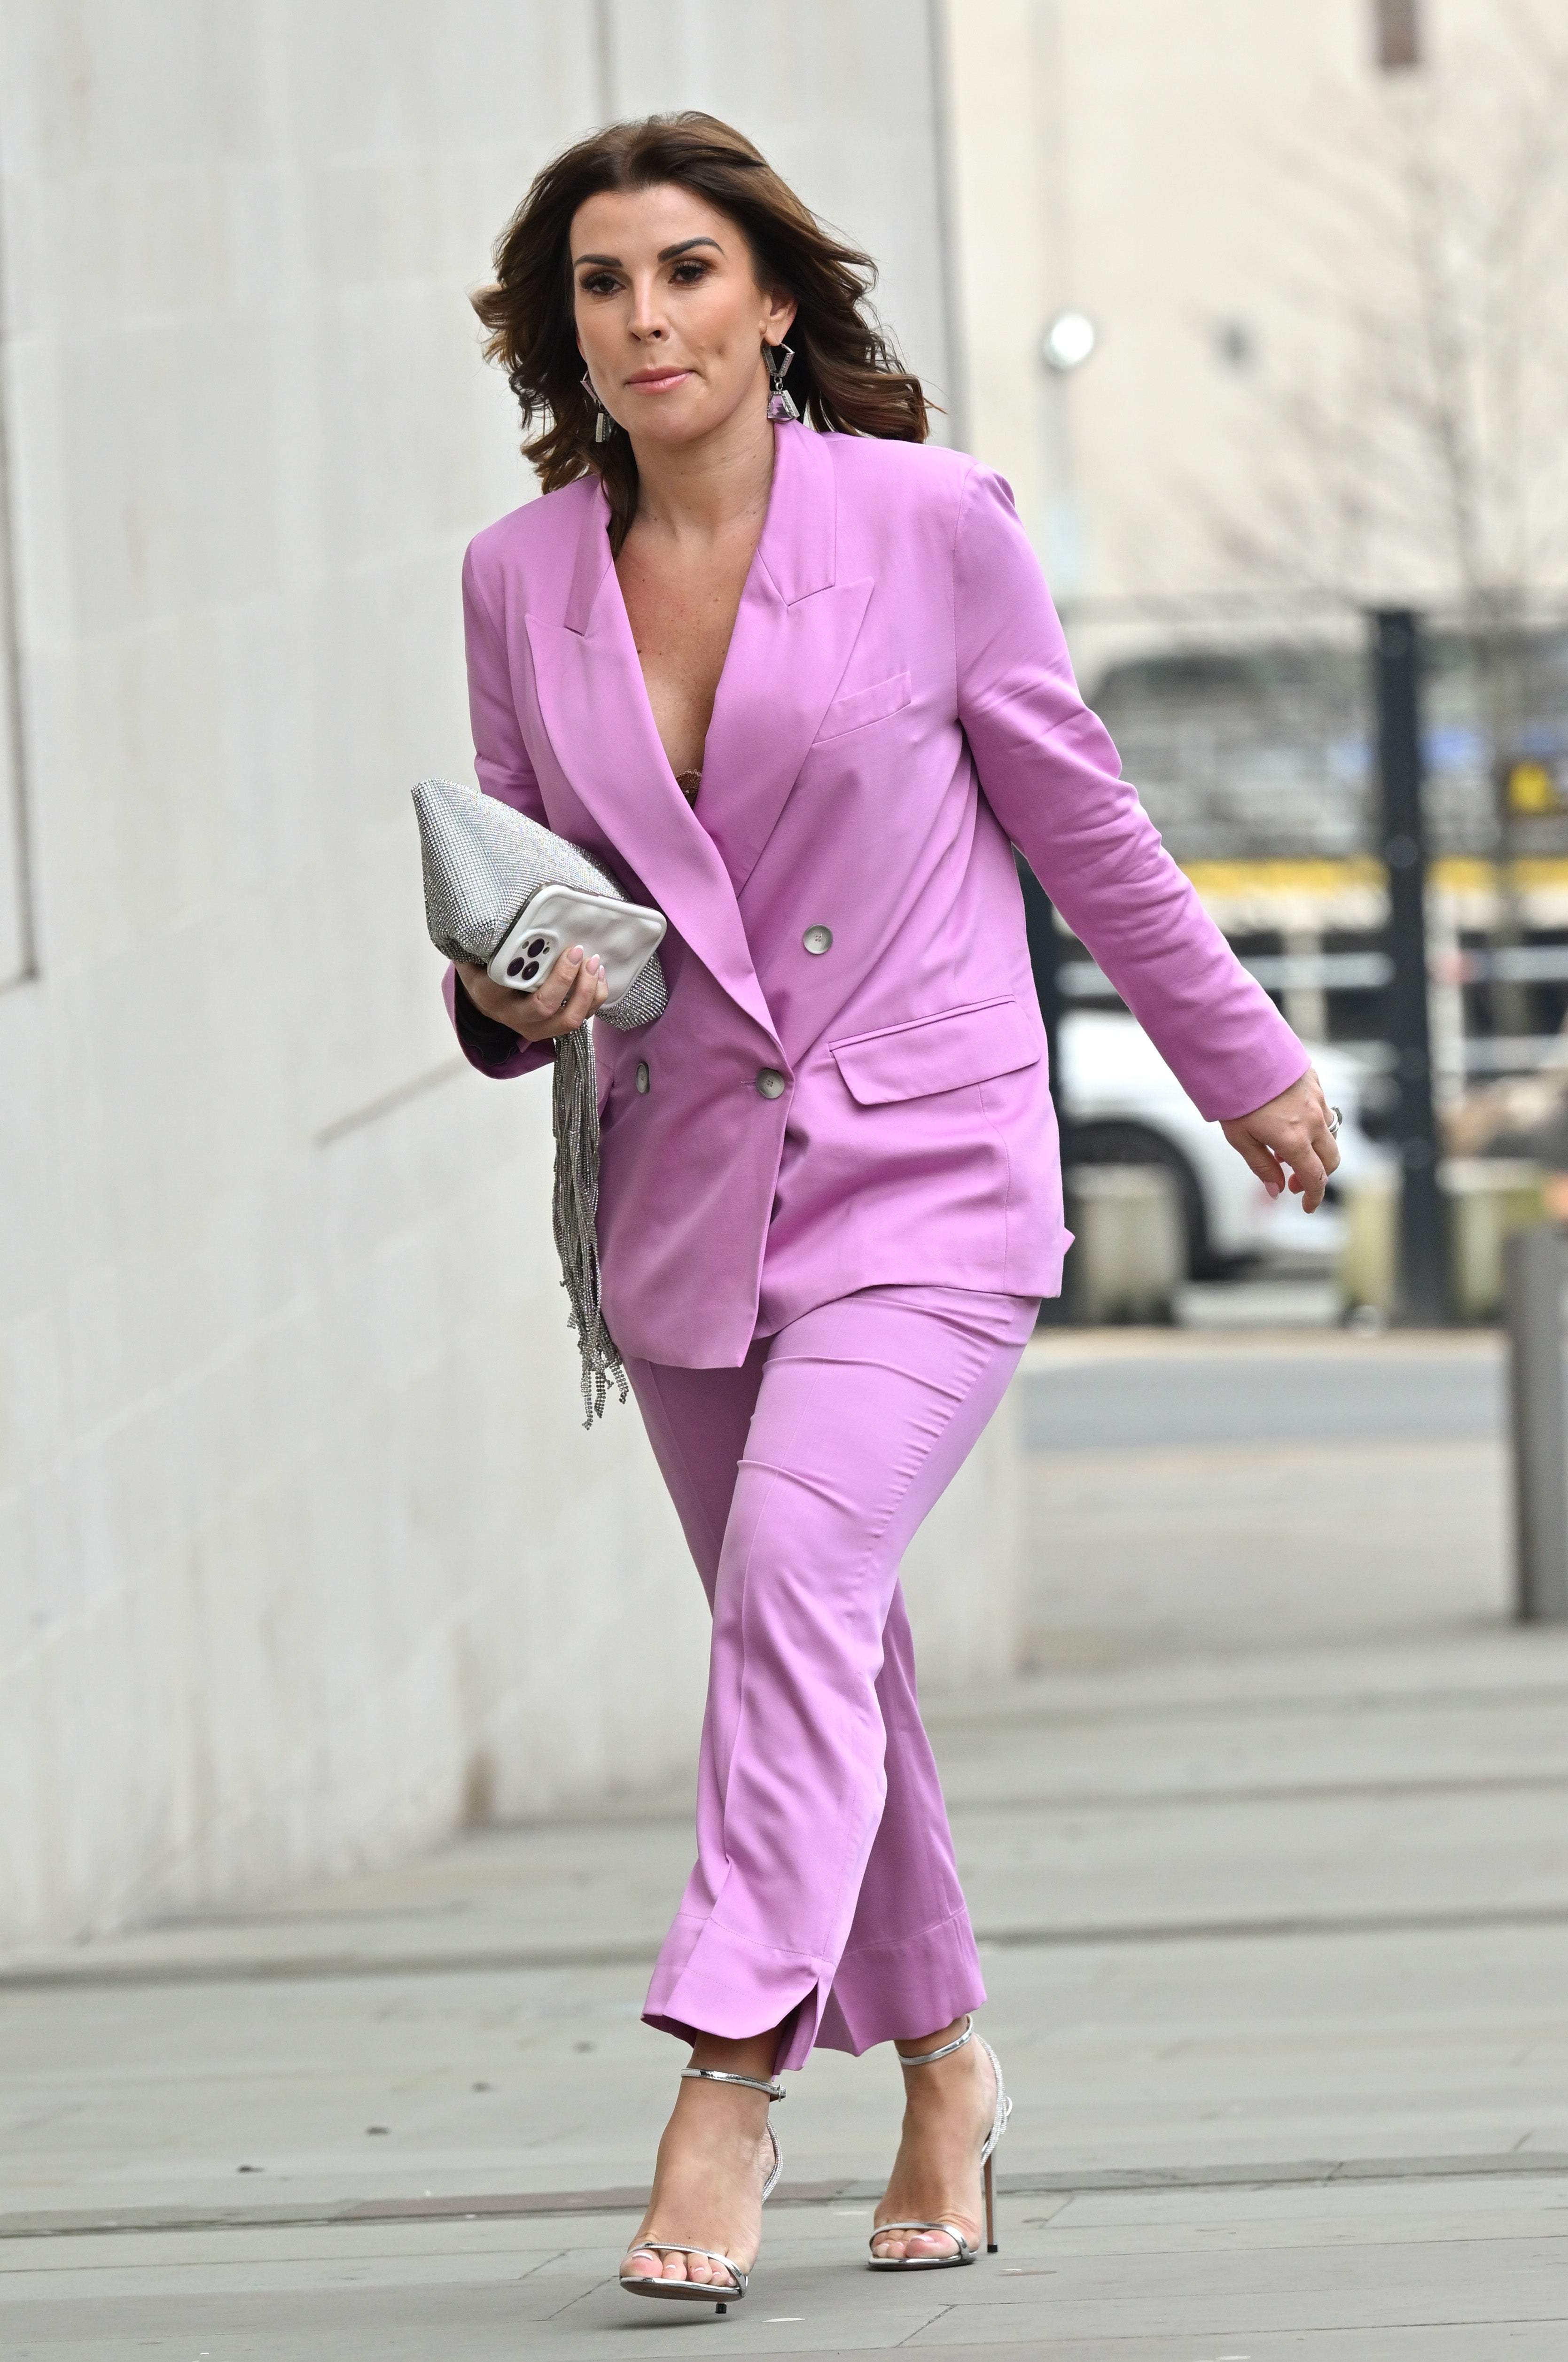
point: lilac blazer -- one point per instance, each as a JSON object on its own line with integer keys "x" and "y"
{"x": 896, "y": 711}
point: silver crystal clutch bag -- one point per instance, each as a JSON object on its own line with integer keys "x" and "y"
{"x": 483, "y": 864}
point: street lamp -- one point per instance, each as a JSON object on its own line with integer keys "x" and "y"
{"x": 1069, "y": 340}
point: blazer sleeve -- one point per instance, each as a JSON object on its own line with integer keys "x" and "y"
{"x": 503, "y": 769}
{"x": 1050, "y": 773}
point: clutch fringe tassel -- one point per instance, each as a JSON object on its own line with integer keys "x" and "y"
{"x": 574, "y": 1112}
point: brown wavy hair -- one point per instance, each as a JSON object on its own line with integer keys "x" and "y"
{"x": 847, "y": 377}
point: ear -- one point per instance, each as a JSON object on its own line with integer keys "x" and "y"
{"x": 780, "y": 316}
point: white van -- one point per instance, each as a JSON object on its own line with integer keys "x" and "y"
{"x": 1123, "y": 1105}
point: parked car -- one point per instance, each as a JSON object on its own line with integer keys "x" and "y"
{"x": 1123, "y": 1105}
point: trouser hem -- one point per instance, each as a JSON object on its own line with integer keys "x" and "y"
{"x": 887, "y": 1992}
{"x": 711, "y": 1980}
{"x": 902, "y": 1991}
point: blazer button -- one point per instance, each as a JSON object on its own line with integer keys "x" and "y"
{"x": 770, "y": 1083}
{"x": 818, "y": 939}
{"x": 642, "y": 1077}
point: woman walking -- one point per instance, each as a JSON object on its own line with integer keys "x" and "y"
{"x": 795, "y": 678}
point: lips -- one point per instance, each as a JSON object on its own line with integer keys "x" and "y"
{"x": 654, "y": 381}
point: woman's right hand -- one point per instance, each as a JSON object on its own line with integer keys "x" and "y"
{"x": 561, "y": 1001}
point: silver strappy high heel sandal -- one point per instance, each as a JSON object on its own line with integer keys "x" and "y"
{"x": 706, "y": 2291}
{"x": 963, "y": 2253}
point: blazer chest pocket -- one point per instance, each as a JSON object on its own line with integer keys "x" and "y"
{"x": 938, "y": 1053}
{"x": 865, "y": 705}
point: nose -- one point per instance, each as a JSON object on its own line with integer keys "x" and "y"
{"x": 647, "y": 323}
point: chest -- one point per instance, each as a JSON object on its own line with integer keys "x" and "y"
{"x": 682, "y": 611}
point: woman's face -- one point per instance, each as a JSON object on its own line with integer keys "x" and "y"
{"x": 670, "y": 319}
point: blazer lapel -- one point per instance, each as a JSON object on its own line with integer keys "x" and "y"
{"x": 595, "y": 709}
{"x": 793, "y": 634}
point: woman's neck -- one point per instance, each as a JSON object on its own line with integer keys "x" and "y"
{"x": 703, "y": 490}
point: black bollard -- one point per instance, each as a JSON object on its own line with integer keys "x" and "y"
{"x": 1422, "y": 1298}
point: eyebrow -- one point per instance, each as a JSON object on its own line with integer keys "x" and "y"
{"x": 665, "y": 253}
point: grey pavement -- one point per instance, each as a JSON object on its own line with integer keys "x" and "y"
{"x": 1269, "y": 1856}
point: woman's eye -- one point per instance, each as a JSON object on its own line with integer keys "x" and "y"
{"x": 599, "y": 283}
{"x": 687, "y": 274}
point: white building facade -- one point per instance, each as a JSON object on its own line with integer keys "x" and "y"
{"x": 285, "y": 1372}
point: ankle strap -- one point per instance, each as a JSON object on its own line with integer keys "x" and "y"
{"x": 927, "y": 2057}
{"x": 717, "y": 2075}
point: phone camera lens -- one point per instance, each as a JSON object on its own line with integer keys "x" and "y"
{"x": 531, "y": 971}
{"x": 537, "y": 946}
{"x": 513, "y": 967}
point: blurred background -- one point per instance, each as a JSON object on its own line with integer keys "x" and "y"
{"x": 1262, "y": 313}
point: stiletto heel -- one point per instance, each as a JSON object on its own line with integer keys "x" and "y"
{"x": 963, "y": 2253}
{"x": 705, "y": 2292}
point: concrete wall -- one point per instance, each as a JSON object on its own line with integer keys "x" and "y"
{"x": 16, "y": 947}
{"x": 283, "y": 1375}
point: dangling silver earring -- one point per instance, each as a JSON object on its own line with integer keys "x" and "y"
{"x": 780, "y": 404}
{"x": 603, "y": 424}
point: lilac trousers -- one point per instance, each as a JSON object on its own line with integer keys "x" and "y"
{"x": 825, "y": 1895}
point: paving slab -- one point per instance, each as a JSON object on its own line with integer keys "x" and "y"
{"x": 1271, "y": 1875}
{"x": 1174, "y": 1478}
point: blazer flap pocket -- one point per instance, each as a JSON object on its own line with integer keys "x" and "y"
{"x": 938, "y": 1053}
{"x": 864, "y": 705}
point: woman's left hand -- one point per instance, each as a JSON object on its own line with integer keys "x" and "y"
{"x": 1292, "y": 1130}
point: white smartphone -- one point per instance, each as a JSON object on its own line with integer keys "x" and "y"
{"x": 624, "y": 935}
